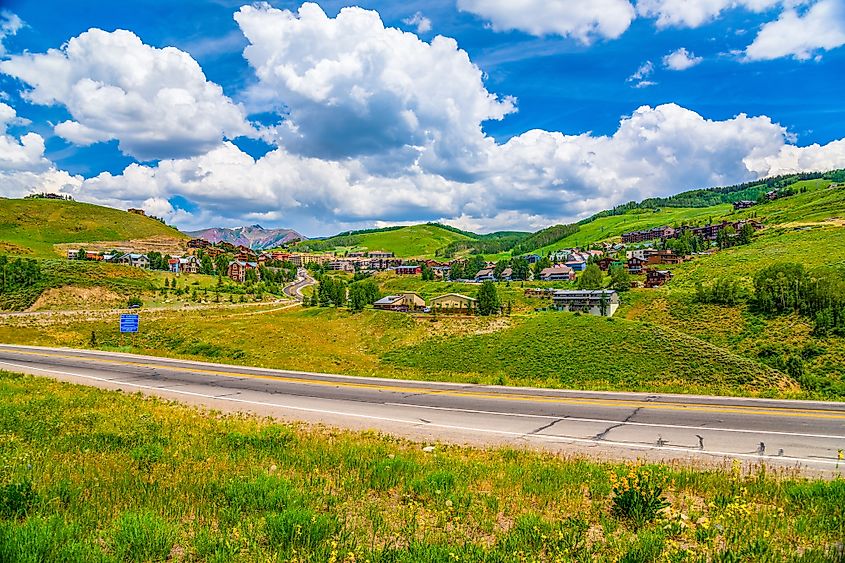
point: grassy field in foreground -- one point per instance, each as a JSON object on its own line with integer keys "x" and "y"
{"x": 89, "y": 475}
{"x": 32, "y": 226}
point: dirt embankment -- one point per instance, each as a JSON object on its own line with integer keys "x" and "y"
{"x": 74, "y": 297}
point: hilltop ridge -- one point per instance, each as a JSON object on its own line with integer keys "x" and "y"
{"x": 35, "y": 226}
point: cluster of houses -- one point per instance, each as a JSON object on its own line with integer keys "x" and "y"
{"x": 705, "y": 232}
{"x": 408, "y": 302}
{"x": 125, "y": 258}
{"x": 746, "y": 203}
{"x": 600, "y": 302}
{"x": 176, "y": 265}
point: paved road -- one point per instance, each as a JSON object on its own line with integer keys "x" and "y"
{"x": 804, "y": 434}
{"x": 303, "y": 280}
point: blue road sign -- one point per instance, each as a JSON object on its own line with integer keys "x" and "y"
{"x": 128, "y": 323}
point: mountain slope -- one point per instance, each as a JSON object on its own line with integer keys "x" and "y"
{"x": 254, "y": 236}
{"x": 33, "y": 226}
{"x": 695, "y": 206}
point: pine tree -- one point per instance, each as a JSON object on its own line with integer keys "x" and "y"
{"x": 488, "y": 299}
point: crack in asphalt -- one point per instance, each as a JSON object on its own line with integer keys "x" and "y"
{"x": 425, "y": 393}
{"x": 546, "y": 426}
{"x": 601, "y": 435}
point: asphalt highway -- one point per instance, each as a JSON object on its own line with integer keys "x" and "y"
{"x": 802, "y": 434}
{"x": 303, "y": 280}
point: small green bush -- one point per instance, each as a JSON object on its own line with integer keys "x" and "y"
{"x": 17, "y": 499}
{"x": 638, "y": 494}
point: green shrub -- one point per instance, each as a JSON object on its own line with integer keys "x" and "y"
{"x": 142, "y": 537}
{"x": 17, "y": 499}
{"x": 638, "y": 494}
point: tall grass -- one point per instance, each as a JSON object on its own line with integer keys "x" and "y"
{"x": 238, "y": 488}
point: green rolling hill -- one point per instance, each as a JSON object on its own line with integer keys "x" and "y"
{"x": 30, "y": 227}
{"x": 416, "y": 241}
{"x": 812, "y": 201}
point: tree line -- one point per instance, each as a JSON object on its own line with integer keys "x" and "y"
{"x": 784, "y": 288}
{"x": 19, "y": 273}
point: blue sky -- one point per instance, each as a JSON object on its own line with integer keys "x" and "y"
{"x": 520, "y": 119}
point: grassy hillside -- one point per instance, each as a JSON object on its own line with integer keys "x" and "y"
{"x": 818, "y": 203}
{"x": 567, "y": 350}
{"x": 32, "y": 226}
{"x": 416, "y": 241}
{"x": 613, "y": 226}
{"x": 90, "y": 475}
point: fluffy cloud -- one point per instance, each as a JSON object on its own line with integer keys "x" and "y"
{"x": 535, "y": 179}
{"x": 421, "y": 23}
{"x": 156, "y": 102}
{"x": 583, "y": 20}
{"x": 694, "y": 13}
{"x": 801, "y": 36}
{"x": 23, "y": 167}
{"x": 24, "y": 153}
{"x": 791, "y": 159}
{"x": 681, "y": 59}
{"x": 10, "y": 24}
{"x": 349, "y": 87}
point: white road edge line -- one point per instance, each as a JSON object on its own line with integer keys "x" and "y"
{"x": 630, "y": 445}
{"x": 603, "y": 421}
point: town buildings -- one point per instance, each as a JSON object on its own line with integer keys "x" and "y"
{"x": 656, "y": 278}
{"x": 743, "y": 204}
{"x": 453, "y": 302}
{"x": 237, "y": 270}
{"x": 705, "y": 232}
{"x": 403, "y": 302}
{"x": 600, "y": 302}
{"x": 557, "y": 273}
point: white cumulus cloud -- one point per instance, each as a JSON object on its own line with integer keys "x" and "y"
{"x": 681, "y": 59}
{"x": 534, "y": 179}
{"x": 584, "y": 20}
{"x": 695, "y": 13}
{"x": 350, "y": 87}
{"x": 802, "y": 36}
{"x": 23, "y": 167}
{"x": 156, "y": 102}
{"x": 379, "y": 126}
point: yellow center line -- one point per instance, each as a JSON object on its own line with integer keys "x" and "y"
{"x": 615, "y": 403}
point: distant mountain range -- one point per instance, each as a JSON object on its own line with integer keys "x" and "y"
{"x": 255, "y": 237}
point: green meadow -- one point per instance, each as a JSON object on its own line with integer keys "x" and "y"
{"x": 94, "y": 476}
